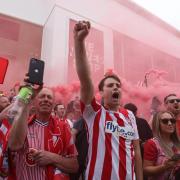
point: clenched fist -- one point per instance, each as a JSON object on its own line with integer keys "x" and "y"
{"x": 81, "y": 30}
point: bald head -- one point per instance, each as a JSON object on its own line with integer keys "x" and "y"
{"x": 46, "y": 90}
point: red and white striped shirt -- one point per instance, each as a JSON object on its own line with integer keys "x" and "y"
{"x": 37, "y": 139}
{"x": 111, "y": 153}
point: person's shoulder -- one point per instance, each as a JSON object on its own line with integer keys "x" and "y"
{"x": 58, "y": 122}
{"x": 79, "y": 121}
{"x": 61, "y": 122}
{"x": 142, "y": 120}
{"x": 125, "y": 112}
{"x": 64, "y": 126}
{"x": 93, "y": 103}
{"x": 130, "y": 115}
{"x": 150, "y": 150}
{"x": 152, "y": 143}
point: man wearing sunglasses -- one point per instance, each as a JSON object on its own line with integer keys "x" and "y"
{"x": 172, "y": 104}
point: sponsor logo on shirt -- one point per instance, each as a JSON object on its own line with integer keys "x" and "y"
{"x": 125, "y": 132}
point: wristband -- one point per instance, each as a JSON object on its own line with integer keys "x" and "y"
{"x": 25, "y": 94}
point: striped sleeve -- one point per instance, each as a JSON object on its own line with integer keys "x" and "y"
{"x": 134, "y": 125}
{"x": 89, "y": 111}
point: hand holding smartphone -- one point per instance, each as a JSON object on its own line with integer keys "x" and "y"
{"x": 36, "y": 71}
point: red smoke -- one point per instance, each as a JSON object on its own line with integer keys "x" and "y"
{"x": 65, "y": 93}
{"x": 139, "y": 95}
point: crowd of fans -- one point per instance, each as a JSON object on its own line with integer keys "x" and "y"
{"x": 41, "y": 138}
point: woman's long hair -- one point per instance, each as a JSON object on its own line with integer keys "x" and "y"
{"x": 157, "y": 134}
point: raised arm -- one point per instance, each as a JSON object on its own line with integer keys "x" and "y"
{"x": 81, "y": 30}
{"x": 20, "y": 114}
{"x": 18, "y": 130}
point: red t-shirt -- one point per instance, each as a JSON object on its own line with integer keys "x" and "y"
{"x": 59, "y": 141}
{"x": 150, "y": 151}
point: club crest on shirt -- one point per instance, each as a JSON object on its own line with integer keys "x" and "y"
{"x": 54, "y": 139}
{"x": 29, "y": 157}
{"x": 125, "y": 132}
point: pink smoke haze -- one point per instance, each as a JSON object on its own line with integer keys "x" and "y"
{"x": 136, "y": 48}
{"x": 139, "y": 95}
{"x": 65, "y": 93}
{"x": 142, "y": 96}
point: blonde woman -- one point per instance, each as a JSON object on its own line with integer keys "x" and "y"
{"x": 161, "y": 152}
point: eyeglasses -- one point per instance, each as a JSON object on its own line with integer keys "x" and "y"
{"x": 173, "y": 101}
{"x": 166, "y": 120}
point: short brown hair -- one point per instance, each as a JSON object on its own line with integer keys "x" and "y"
{"x": 101, "y": 83}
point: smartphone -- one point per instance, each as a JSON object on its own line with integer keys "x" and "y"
{"x": 3, "y": 69}
{"x": 36, "y": 71}
{"x": 175, "y": 157}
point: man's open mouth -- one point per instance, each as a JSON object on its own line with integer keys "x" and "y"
{"x": 176, "y": 107}
{"x": 115, "y": 95}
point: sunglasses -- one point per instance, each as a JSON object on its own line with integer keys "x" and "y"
{"x": 173, "y": 101}
{"x": 166, "y": 120}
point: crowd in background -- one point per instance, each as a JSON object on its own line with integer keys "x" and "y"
{"x": 159, "y": 136}
{"x": 42, "y": 138}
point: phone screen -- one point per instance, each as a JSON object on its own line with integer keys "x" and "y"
{"x": 3, "y": 68}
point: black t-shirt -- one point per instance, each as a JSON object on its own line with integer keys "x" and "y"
{"x": 82, "y": 147}
{"x": 144, "y": 129}
{"x": 81, "y": 141}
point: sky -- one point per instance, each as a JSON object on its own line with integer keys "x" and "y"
{"x": 167, "y": 10}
